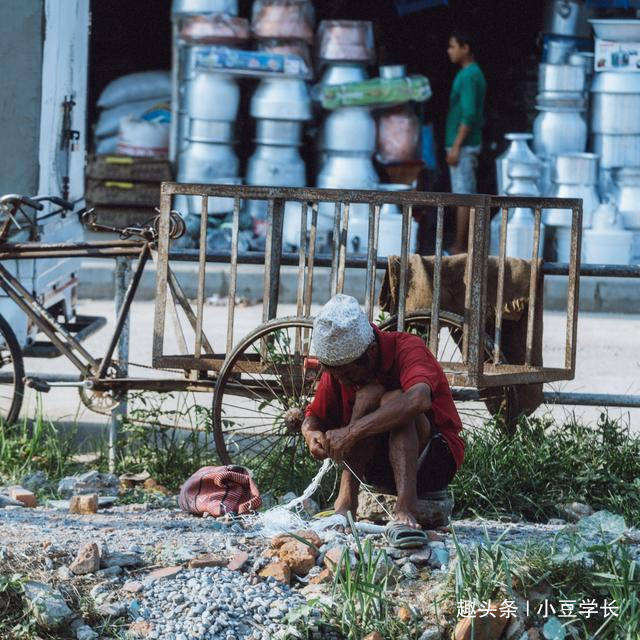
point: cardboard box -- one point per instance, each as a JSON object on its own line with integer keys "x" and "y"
{"x": 617, "y": 56}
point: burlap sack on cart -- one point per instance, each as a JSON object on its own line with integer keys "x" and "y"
{"x": 452, "y": 295}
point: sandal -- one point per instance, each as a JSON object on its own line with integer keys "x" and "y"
{"x": 401, "y": 536}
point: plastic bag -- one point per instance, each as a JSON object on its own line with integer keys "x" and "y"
{"x": 398, "y": 135}
{"x": 143, "y": 139}
{"x": 283, "y": 19}
{"x": 218, "y": 28}
{"x": 134, "y": 87}
{"x": 109, "y": 121}
{"x": 106, "y": 146}
{"x": 346, "y": 40}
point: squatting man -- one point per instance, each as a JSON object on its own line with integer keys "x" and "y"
{"x": 383, "y": 406}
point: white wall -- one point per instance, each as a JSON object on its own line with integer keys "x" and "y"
{"x": 64, "y": 73}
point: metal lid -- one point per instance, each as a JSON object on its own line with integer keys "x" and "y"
{"x": 561, "y": 101}
{"x": 518, "y": 136}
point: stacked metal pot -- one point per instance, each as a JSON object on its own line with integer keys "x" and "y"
{"x": 615, "y": 119}
{"x": 207, "y": 106}
{"x": 347, "y": 137}
{"x": 280, "y": 106}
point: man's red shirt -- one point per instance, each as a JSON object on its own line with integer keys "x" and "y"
{"x": 404, "y": 361}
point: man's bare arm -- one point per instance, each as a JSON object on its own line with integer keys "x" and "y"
{"x": 393, "y": 414}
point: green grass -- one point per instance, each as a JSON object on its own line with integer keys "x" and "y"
{"x": 589, "y": 572}
{"x": 545, "y": 464}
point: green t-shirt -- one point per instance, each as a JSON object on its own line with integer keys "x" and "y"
{"x": 466, "y": 105}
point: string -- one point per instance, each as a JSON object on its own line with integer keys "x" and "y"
{"x": 364, "y": 486}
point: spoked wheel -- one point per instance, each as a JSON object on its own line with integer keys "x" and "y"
{"x": 497, "y": 403}
{"x": 262, "y": 391}
{"x": 11, "y": 375}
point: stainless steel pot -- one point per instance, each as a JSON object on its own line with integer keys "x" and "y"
{"x": 627, "y": 196}
{"x": 583, "y": 59}
{"x": 205, "y": 161}
{"x": 391, "y": 71}
{"x": 279, "y": 132}
{"x": 276, "y": 166}
{"x": 281, "y": 99}
{"x": 559, "y": 130}
{"x": 211, "y": 131}
{"x": 562, "y": 217}
{"x": 204, "y": 6}
{"x": 561, "y": 77}
{"x": 566, "y": 18}
{"x": 348, "y": 171}
{"x": 616, "y": 150}
{"x": 213, "y": 96}
{"x": 215, "y": 206}
{"x": 517, "y": 151}
{"x": 576, "y": 168}
{"x": 337, "y": 73}
{"x": 349, "y": 129}
{"x": 557, "y": 50}
{"x": 615, "y": 103}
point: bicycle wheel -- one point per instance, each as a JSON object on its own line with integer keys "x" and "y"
{"x": 11, "y": 375}
{"x": 497, "y": 403}
{"x": 261, "y": 394}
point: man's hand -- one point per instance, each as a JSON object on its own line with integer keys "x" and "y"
{"x": 316, "y": 443}
{"x": 337, "y": 443}
{"x": 453, "y": 156}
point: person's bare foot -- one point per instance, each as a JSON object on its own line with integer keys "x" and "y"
{"x": 405, "y": 517}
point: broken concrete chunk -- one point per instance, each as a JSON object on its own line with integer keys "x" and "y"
{"x": 573, "y": 511}
{"x": 161, "y": 574}
{"x": 87, "y": 560}
{"x": 238, "y": 561}
{"x": 298, "y": 556}
{"x": 113, "y": 609}
{"x": 207, "y": 560}
{"x": 26, "y": 497}
{"x": 89, "y": 482}
{"x": 121, "y": 559}
{"x": 84, "y": 505}
{"x": 47, "y": 605}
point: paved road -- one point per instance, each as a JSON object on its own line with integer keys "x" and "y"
{"x": 608, "y": 356}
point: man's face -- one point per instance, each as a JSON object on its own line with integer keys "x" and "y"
{"x": 456, "y": 51}
{"x": 356, "y": 373}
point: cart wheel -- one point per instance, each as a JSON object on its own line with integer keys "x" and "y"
{"x": 501, "y": 403}
{"x": 262, "y": 391}
{"x": 11, "y": 375}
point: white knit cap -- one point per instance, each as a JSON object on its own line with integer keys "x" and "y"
{"x": 341, "y": 332}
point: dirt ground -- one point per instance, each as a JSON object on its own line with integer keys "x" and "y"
{"x": 608, "y": 358}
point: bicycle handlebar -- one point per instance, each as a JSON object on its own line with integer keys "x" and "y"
{"x": 65, "y": 204}
{"x": 22, "y": 200}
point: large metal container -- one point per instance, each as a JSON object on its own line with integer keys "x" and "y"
{"x": 615, "y": 100}
{"x": 566, "y": 18}
{"x": 276, "y": 166}
{"x": 621, "y": 30}
{"x": 211, "y": 131}
{"x": 281, "y": 99}
{"x": 206, "y": 161}
{"x": 204, "y": 6}
{"x": 627, "y": 196}
{"x": 517, "y": 151}
{"x": 215, "y": 205}
{"x": 575, "y": 168}
{"x": 557, "y": 49}
{"x": 583, "y": 59}
{"x": 341, "y": 73}
{"x": 562, "y": 217}
{"x": 213, "y": 96}
{"x": 561, "y": 77}
{"x": 349, "y": 129}
{"x": 616, "y": 150}
{"x": 348, "y": 171}
{"x": 279, "y": 132}
{"x": 559, "y": 129}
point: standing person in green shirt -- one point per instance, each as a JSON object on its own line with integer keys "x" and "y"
{"x": 463, "y": 134}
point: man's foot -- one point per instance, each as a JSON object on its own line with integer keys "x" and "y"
{"x": 406, "y": 518}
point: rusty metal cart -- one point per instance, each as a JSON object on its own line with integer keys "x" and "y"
{"x": 264, "y": 382}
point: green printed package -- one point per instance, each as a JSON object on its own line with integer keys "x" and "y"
{"x": 377, "y": 92}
